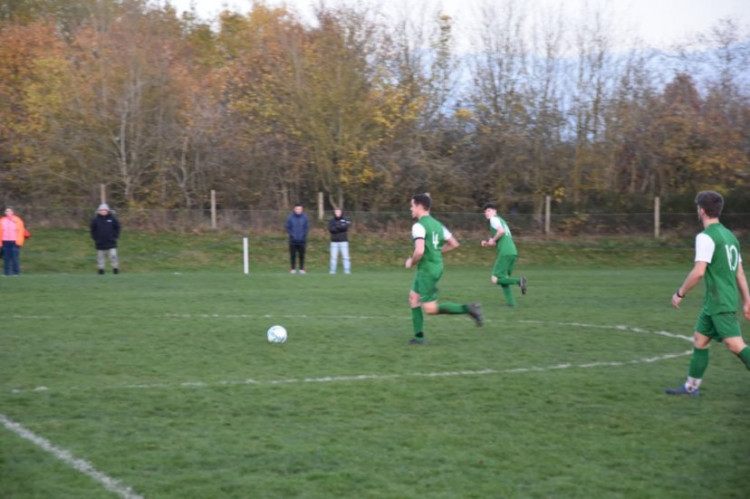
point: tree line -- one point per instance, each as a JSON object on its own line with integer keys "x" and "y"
{"x": 269, "y": 110}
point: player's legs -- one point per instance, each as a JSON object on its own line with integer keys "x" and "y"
{"x": 698, "y": 361}
{"x": 738, "y": 347}
{"x": 428, "y": 297}
{"x": 728, "y": 328}
{"x": 503, "y": 268}
{"x": 705, "y": 331}
{"x": 422, "y": 299}
{"x": 334, "y": 257}
{"x": 417, "y": 316}
{"x": 501, "y": 275}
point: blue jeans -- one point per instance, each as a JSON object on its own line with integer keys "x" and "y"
{"x": 342, "y": 247}
{"x": 11, "y": 257}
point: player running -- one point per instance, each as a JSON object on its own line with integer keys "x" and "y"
{"x": 431, "y": 240}
{"x": 507, "y": 254}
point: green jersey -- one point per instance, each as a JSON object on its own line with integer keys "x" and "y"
{"x": 719, "y": 248}
{"x": 505, "y": 245}
{"x": 434, "y": 234}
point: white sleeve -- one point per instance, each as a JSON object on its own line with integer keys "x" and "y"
{"x": 495, "y": 223}
{"x": 704, "y": 248}
{"x": 417, "y": 231}
{"x": 446, "y": 233}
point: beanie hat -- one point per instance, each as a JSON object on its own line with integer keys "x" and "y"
{"x": 103, "y": 206}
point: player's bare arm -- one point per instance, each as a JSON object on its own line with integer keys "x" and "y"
{"x": 450, "y": 245}
{"x": 416, "y": 256}
{"x": 493, "y": 240}
{"x": 693, "y": 278}
{"x": 744, "y": 291}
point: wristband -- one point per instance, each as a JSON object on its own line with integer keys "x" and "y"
{"x": 678, "y": 293}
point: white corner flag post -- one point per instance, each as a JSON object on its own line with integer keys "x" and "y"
{"x": 246, "y": 255}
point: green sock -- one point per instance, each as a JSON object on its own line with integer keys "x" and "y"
{"x": 744, "y": 356}
{"x": 698, "y": 363}
{"x": 452, "y": 308}
{"x": 509, "y": 281}
{"x": 509, "y": 296}
{"x": 417, "y": 320}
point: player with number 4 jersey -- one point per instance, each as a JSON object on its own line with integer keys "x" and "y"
{"x": 431, "y": 239}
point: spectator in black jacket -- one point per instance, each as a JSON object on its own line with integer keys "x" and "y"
{"x": 338, "y": 226}
{"x": 105, "y": 230}
{"x": 297, "y": 227}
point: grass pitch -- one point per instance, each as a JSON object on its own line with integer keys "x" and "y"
{"x": 163, "y": 383}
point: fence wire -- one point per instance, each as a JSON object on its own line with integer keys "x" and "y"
{"x": 272, "y": 221}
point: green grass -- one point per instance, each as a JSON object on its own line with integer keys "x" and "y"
{"x": 71, "y": 250}
{"x": 161, "y": 377}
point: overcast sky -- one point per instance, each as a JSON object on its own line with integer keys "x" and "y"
{"x": 659, "y": 23}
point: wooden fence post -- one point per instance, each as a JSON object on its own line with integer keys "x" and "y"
{"x": 213, "y": 209}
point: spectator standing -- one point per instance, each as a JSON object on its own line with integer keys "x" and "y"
{"x": 297, "y": 227}
{"x": 338, "y": 226}
{"x": 105, "y": 230}
{"x": 13, "y": 234}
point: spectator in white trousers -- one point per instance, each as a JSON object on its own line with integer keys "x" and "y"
{"x": 338, "y": 226}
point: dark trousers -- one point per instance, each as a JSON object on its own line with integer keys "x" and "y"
{"x": 12, "y": 258}
{"x": 294, "y": 250}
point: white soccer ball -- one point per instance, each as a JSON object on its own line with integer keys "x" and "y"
{"x": 276, "y": 334}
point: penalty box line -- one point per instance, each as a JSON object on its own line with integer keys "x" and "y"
{"x": 64, "y": 455}
{"x": 363, "y": 377}
{"x": 380, "y": 377}
{"x": 171, "y": 315}
{"x": 125, "y": 492}
{"x": 437, "y": 374}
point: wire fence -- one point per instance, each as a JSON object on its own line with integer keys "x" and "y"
{"x": 396, "y": 222}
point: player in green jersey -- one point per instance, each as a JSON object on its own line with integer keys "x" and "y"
{"x": 719, "y": 264}
{"x": 431, "y": 240}
{"x": 507, "y": 254}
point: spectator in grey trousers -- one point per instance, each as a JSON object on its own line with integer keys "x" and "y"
{"x": 338, "y": 226}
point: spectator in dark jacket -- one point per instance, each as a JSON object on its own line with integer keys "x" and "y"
{"x": 105, "y": 230}
{"x": 338, "y": 226}
{"x": 297, "y": 227}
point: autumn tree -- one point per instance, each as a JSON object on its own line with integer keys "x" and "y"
{"x": 28, "y": 55}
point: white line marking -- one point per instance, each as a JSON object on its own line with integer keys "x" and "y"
{"x": 125, "y": 492}
{"x": 378, "y": 377}
{"x": 80, "y": 465}
{"x": 618, "y": 327}
{"x": 365, "y": 377}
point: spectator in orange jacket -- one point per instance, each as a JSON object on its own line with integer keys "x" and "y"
{"x": 13, "y": 234}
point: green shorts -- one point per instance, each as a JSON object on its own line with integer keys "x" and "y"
{"x": 425, "y": 285}
{"x": 504, "y": 266}
{"x": 719, "y": 326}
